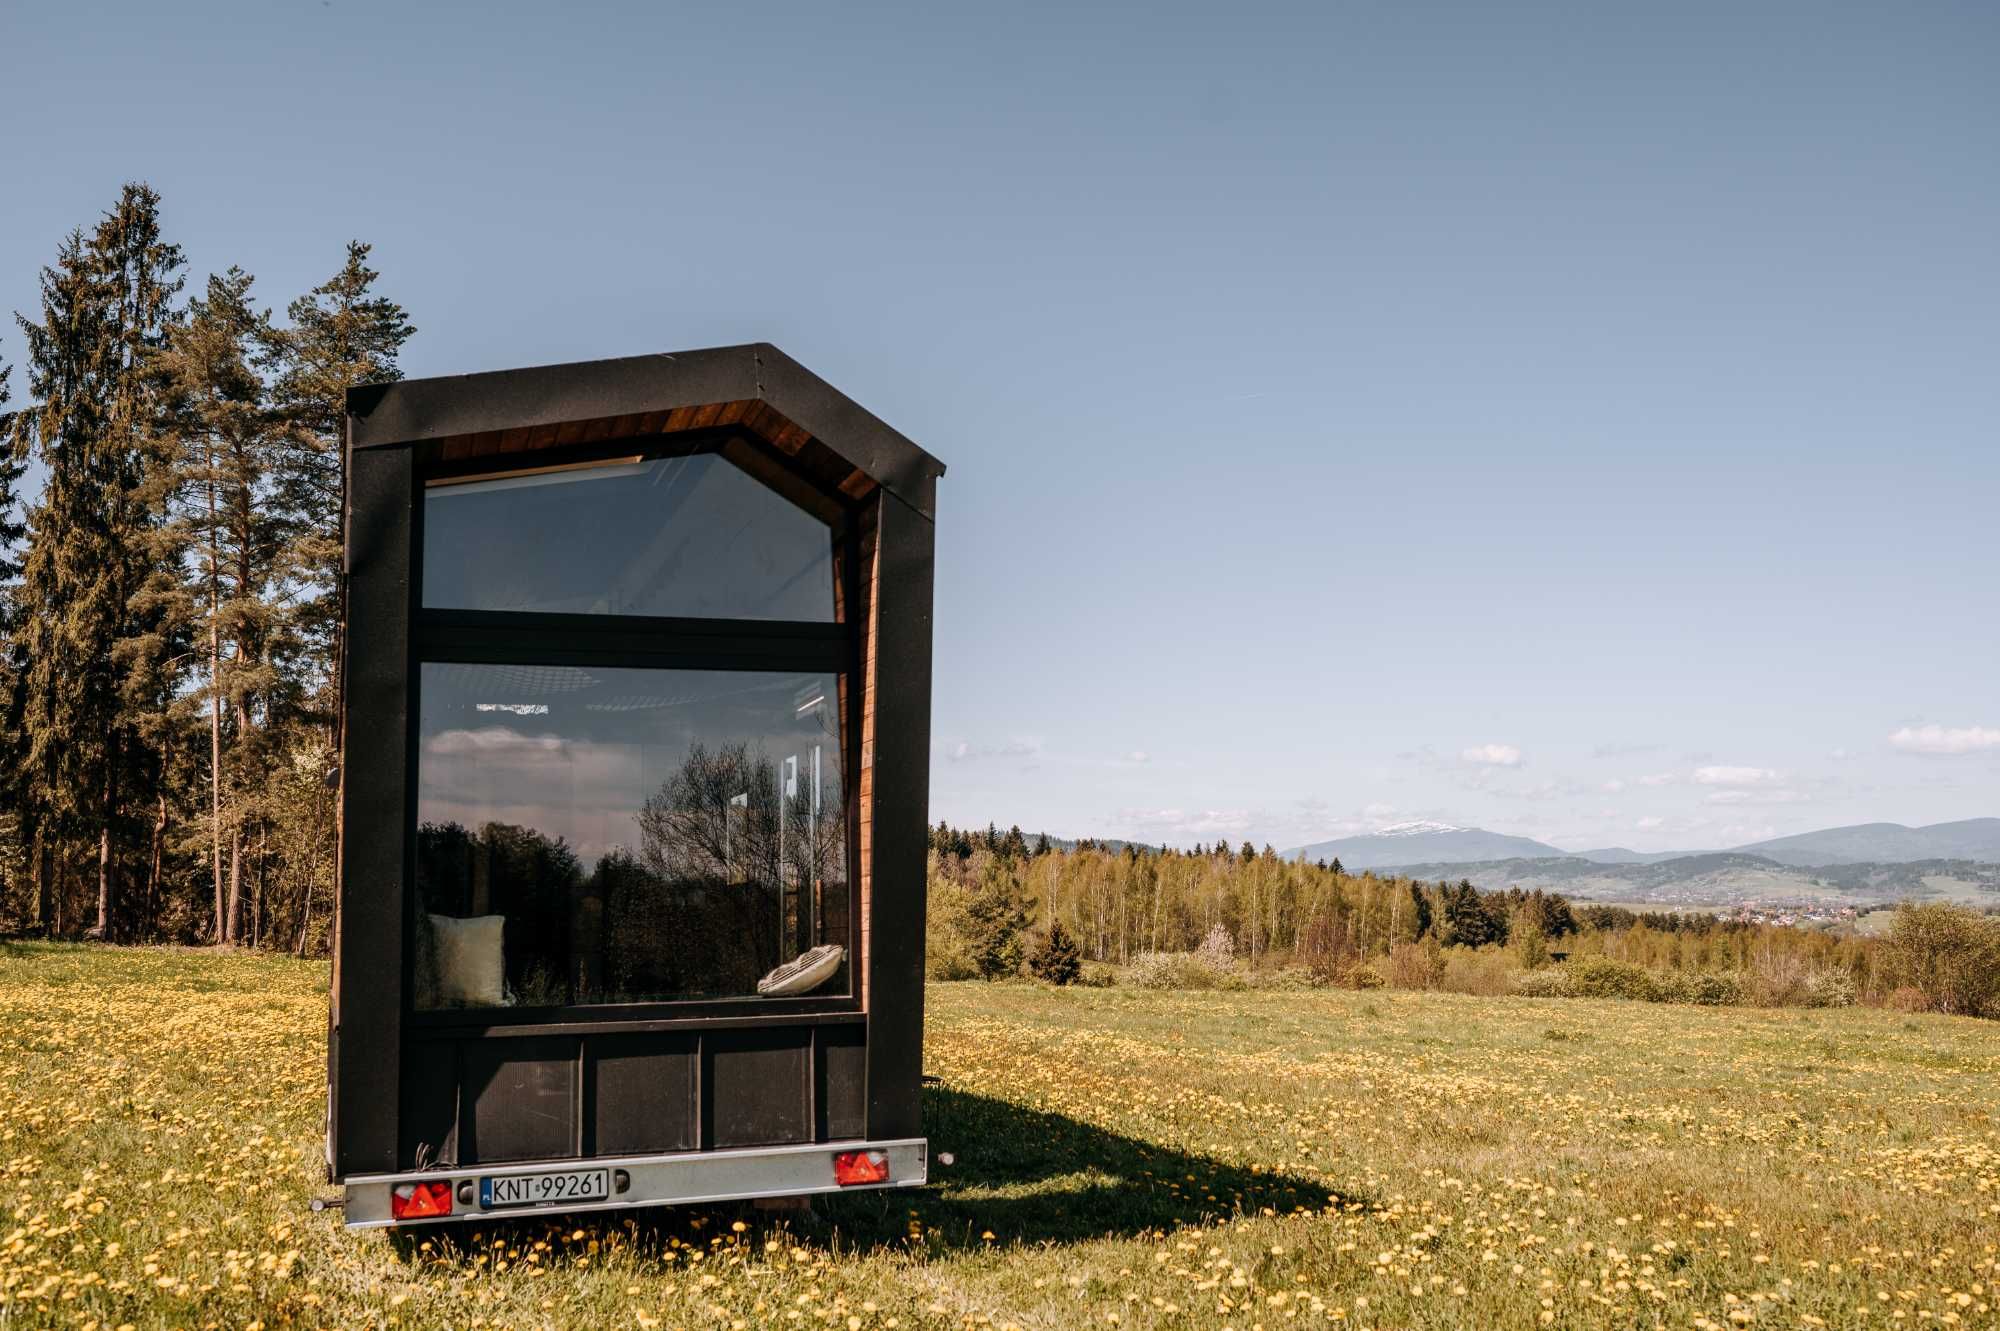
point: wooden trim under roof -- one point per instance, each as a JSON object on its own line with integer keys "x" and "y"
{"x": 518, "y": 446}
{"x": 755, "y": 388}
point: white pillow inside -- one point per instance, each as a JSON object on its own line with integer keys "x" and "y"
{"x": 471, "y": 960}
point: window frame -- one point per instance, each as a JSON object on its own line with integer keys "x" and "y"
{"x": 615, "y": 641}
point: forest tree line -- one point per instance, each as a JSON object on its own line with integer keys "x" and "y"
{"x": 995, "y": 895}
{"x": 170, "y": 616}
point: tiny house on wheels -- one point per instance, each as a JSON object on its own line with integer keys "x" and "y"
{"x": 634, "y": 780}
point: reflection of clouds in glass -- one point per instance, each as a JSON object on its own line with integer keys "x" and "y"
{"x": 489, "y": 740}
{"x": 581, "y": 767}
{"x": 587, "y": 792}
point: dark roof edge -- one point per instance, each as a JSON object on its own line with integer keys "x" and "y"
{"x": 411, "y": 410}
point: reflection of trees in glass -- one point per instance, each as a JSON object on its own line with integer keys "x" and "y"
{"x": 738, "y": 868}
{"x": 716, "y": 818}
{"x": 532, "y": 879}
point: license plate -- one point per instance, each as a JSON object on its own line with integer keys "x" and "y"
{"x": 574, "y": 1185}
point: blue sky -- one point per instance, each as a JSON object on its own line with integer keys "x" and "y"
{"x": 1578, "y": 420}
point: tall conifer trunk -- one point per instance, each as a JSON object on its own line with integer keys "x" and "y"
{"x": 215, "y": 710}
{"x": 106, "y": 868}
{"x": 157, "y": 855}
{"x": 235, "y": 929}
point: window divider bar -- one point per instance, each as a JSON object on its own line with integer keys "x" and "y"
{"x": 685, "y": 644}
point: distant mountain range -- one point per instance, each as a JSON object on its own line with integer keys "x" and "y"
{"x": 1441, "y": 844}
{"x": 1424, "y": 843}
{"x": 1727, "y": 878}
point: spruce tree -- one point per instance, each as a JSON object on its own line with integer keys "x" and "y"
{"x": 1057, "y": 960}
{"x": 141, "y": 274}
{"x": 105, "y": 307}
{"x": 12, "y": 529}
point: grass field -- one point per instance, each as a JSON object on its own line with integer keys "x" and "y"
{"x": 1124, "y": 1159}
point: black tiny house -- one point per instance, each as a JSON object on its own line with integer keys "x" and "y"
{"x": 634, "y": 779}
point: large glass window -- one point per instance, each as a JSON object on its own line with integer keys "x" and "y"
{"x": 694, "y": 537}
{"x": 627, "y": 835}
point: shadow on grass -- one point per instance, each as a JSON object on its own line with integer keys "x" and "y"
{"x": 1023, "y": 1175}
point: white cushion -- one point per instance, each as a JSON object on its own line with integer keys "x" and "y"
{"x": 471, "y": 960}
{"x": 803, "y": 973}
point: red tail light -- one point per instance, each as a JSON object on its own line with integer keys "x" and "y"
{"x": 416, "y": 1201}
{"x": 852, "y": 1167}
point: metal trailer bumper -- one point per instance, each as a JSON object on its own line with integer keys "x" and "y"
{"x": 650, "y": 1180}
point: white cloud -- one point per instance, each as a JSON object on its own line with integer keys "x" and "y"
{"x": 1649, "y": 822}
{"x": 1197, "y": 823}
{"x": 960, "y": 751}
{"x": 1761, "y": 796}
{"x": 1493, "y": 755}
{"x": 1658, "y": 779}
{"x": 1138, "y": 756}
{"x": 1736, "y": 776}
{"x": 1938, "y": 740}
{"x": 1613, "y": 786}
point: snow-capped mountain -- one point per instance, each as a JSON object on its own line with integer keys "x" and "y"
{"x": 1420, "y": 827}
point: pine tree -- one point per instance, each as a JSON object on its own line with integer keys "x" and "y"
{"x": 342, "y": 334}
{"x": 224, "y": 449}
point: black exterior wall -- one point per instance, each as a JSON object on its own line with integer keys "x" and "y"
{"x": 411, "y": 1089}
{"x": 365, "y": 1041}
{"x": 901, "y": 761}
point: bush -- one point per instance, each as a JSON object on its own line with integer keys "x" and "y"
{"x": 1414, "y": 965}
{"x": 948, "y": 933}
{"x": 1700, "y": 988}
{"x": 1909, "y": 998}
{"x": 1484, "y": 971}
{"x": 1601, "y": 977}
{"x": 1548, "y": 982}
{"x": 1217, "y": 950}
{"x": 1177, "y": 970}
{"x": 1057, "y": 959}
{"x": 947, "y": 964}
{"x": 1287, "y": 978}
{"x": 1949, "y": 952}
{"x": 1364, "y": 976}
{"x": 1828, "y": 986}
{"x": 1787, "y": 981}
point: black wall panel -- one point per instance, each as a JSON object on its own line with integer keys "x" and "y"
{"x": 521, "y": 1099}
{"x": 640, "y": 1094}
{"x": 841, "y": 1082}
{"x": 429, "y": 1121}
{"x": 758, "y": 1087}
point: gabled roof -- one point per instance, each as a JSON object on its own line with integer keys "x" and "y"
{"x": 756, "y": 388}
